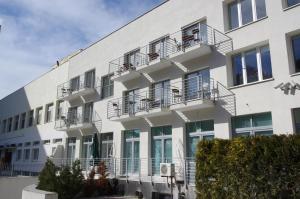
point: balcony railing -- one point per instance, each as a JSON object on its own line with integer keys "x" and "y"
{"x": 181, "y": 92}
{"x": 76, "y": 86}
{"x": 73, "y": 120}
{"x": 178, "y": 42}
{"x": 136, "y": 169}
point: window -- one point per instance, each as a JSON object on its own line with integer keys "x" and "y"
{"x": 241, "y": 12}
{"x": 39, "y": 115}
{"x": 49, "y": 112}
{"x": 161, "y": 147}
{"x": 89, "y": 79}
{"x": 46, "y": 141}
{"x": 88, "y": 112}
{"x": 197, "y": 131}
{"x": 27, "y": 144}
{"x": 87, "y": 147}
{"x": 16, "y": 122}
{"x": 71, "y": 149}
{"x": 131, "y": 102}
{"x": 4, "y": 126}
{"x": 292, "y": 2}
{"x": 160, "y": 94}
{"x": 19, "y": 155}
{"x": 75, "y": 84}
{"x": 132, "y": 150}
{"x": 251, "y": 66}
{"x": 35, "y": 154}
{"x": 10, "y": 120}
{"x": 253, "y": 125}
{"x": 106, "y": 145}
{"x": 296, "y": 113}
{"x": 132, "y": 60}
{"x": 107, "y": 86}
{"x": 59, "y": 109}
{"x": 23, "y": 120}
{"x": 296, "y": 52}
{"x": 30, "y": 118}
{"x": 73, "y": 115}
{"x": 57, "y": 141}
{"x": 26, "y": 154}
{"x": 36, "y": 143}
{"x": 158, "y": 49}
{"x": 194, "y": 34}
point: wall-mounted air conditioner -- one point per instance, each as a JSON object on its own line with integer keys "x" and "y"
{"x": 167, "y": 170}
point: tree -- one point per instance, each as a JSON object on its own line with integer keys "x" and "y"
{"x": 47, "y": 177}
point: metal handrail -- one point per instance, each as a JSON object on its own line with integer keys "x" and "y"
{"x": 191, "y": 89}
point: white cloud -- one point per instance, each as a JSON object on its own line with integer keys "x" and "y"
{"x": 36, "y": 33}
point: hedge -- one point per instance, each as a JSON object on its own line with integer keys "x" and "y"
{"x": 252, "y": 167}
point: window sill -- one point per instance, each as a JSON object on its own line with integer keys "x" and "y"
{"x": 232, "y": 30}
{"x": 295, "y": 74}
{"x": 250, "y": 84}
{"x": 291, "y": 7}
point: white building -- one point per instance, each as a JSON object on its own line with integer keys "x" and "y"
{"x": 182, "y": 72}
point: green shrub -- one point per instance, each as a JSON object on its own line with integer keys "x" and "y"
{"x": 253, "y": 167}
{"x": 47, "y": 177}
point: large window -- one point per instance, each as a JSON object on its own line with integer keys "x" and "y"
{"x": 49, "y": 113}
{"x": 131, "y": 151}
{"x": 297, "y": 120}
{"x": 26, "y": 155}
{"x": 4, "y": 126}
{"x": 158, "y": 49}
{"x": 16, "y": 122}
{"x": 71, "y": 149}
{"x": 23, "y": 120}
{"x": 106, "y": 145}
{"x": 107, "y": 86}
{"x": 30, "y": 118}
{"x": 292, "y": 2}
{"x": 251, "y": 66}
{"x": 253, "y": 125}
{"x": 10, "y": 121}
{"x": 19, "y": 155}
{"x": 131, "y": 101}
{"x": 161, "y": 148}
{"x": 197, "y": 131}
{"x": 35, "y": 154}
{"x": 194, "y": 34}
{"x": 39, "y": 113}
{"x": 241, "y": 12}
{"x": 296, "y": 52}
{"x": 89, "y": 79}
{"x": 59, "y": 109}
{"x": 161, "y": 94}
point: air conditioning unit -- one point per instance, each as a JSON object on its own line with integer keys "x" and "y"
{"x": 167, "y": 170}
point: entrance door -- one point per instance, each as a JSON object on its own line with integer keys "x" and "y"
{"x": 131, "y": 162}
{"x": 131, "y": 101}
{"x": 161, "y": 147}
{"x": 71, "y": 150}
{"x": 161, "y": 94}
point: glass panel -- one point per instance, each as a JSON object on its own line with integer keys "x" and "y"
{"x": 191, "y": 127}
{"x": 297, "y": 120}
{"x": 264, "y": 119}
{"x": 192, "y": 146}
{"x": 247, "y": 13}
{"x": 242, "y": 122}
{"x": 264, "y": 133}
{"x": 266, "y": 62}
{"x": 261, "y": 8}
{"x": 190, "y": 35}
{"x": 128, "y": 156}
{"x": 237, "y": 70}
{"x": 208, "y": 137}
{"x": 251, "y": 66}
{"x": 136, "y": 152}
{"x": 104, "y": 150}
{"x": 292, "y": 2}
{"x": 157, "y": 131}
{"x": 89, "y": 79}
{"x": 168, "y": 150}
{"x": 233, "y": 15}
{"x": 207, "y": 125}
{"x": 244, "y": 134}
{"x": 296, "y": 51}
{"x": 156, "y": 155}
{"x": 167, "y": 130}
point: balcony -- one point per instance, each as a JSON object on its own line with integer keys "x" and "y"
{"x": 175, "y": 49}
{"x": 79, "y": 86}
{"x": 75, "y": 121}
{"x": 190, "y": 94}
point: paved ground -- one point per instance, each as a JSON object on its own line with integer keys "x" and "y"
{"x": 11, "y": 187}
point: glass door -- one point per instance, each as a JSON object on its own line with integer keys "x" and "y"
{"x": 197, "y": 85}
{"x": 71, "y": 150}
{"x": 131, "y": 162}
{"x": 89, "y": 79}
{"x": 161, "y": 94}
{"x": 88, "y": 112}
{"x": 87, "y": 151}
{"x": 131, "y": 101}
{"x": 161, "y": 147}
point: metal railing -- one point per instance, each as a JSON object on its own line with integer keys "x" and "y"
{"x": 75, "y": 85}
{"x": 195, "y": 88}
{"x": 23, "y": 169}
{"x": 73, "y": 119}
{"x": 176, "y": 42}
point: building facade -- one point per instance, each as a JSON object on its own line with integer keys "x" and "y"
{"x": 184, "y": 71}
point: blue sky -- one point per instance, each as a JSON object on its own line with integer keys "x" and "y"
{"x": 36, "y": 33}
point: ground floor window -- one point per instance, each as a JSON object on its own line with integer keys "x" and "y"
{"x": 87, "y": 146}
{"x": 197, "y": 131}
{"x": 106, "y": 145}
{"x": 161, "y": 146}
{"x": 19, "y": 155}
{"x": 26, "y": 154}
{"x": 35, "y": 154}
{"x": 297, "y": 120}
{"x": 253, "y": 125}
{"x": 71, "y": 148}
{"x": 131, "y": 161}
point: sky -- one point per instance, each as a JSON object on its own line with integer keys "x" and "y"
{"x": 36, "y": 33}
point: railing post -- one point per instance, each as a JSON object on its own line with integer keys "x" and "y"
{"x": 126, "y": 169}
{"x": 115, "y": 166}
{"x": 184, "y": 172}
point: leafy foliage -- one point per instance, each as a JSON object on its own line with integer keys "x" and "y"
{"x": 47, "y": 177}
{"x": 253, "y": 167}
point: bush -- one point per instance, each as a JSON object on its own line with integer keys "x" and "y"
{"x": 253, "y": 167}
{"x": 67, "y": 184}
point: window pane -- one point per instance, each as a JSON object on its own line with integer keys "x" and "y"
{"x": 242, "y": 122}
{"x": 264, "y": 133}
{"x": 296, "y": 51}
{"x": 192, "y": 146}
{"x": 247, "y": 13}
{"x": 251, "y": 66}
{"x": 297, "y": 120}
{"x": 264, "y": 119}
{"x": 292, "y": 2}
{"x": 233, "y": 15}
{"x": 208, "y": 137}
{"x": 237, "y": 69}
{"x": 207, "y": 125}
{"x": 266, "y": 62}
{"x": 260, "y": 8}
{"x": 244, "y": 134}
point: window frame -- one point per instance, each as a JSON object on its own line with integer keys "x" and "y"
{"x": 260, "y": 75}
{"x": 16, "y": 123}
{"x": 30, "y": 119}
{"x": 4, "y": 126}
{"x": 38, "y": 115}
{"x": 296, "y": 125}
{"x": 295, "y": 70}
{"x": 33, "y": 158}
{"x": 23, "y": 122}
{"x": 111, "y": 84}
{"x": 48, "y": 113}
